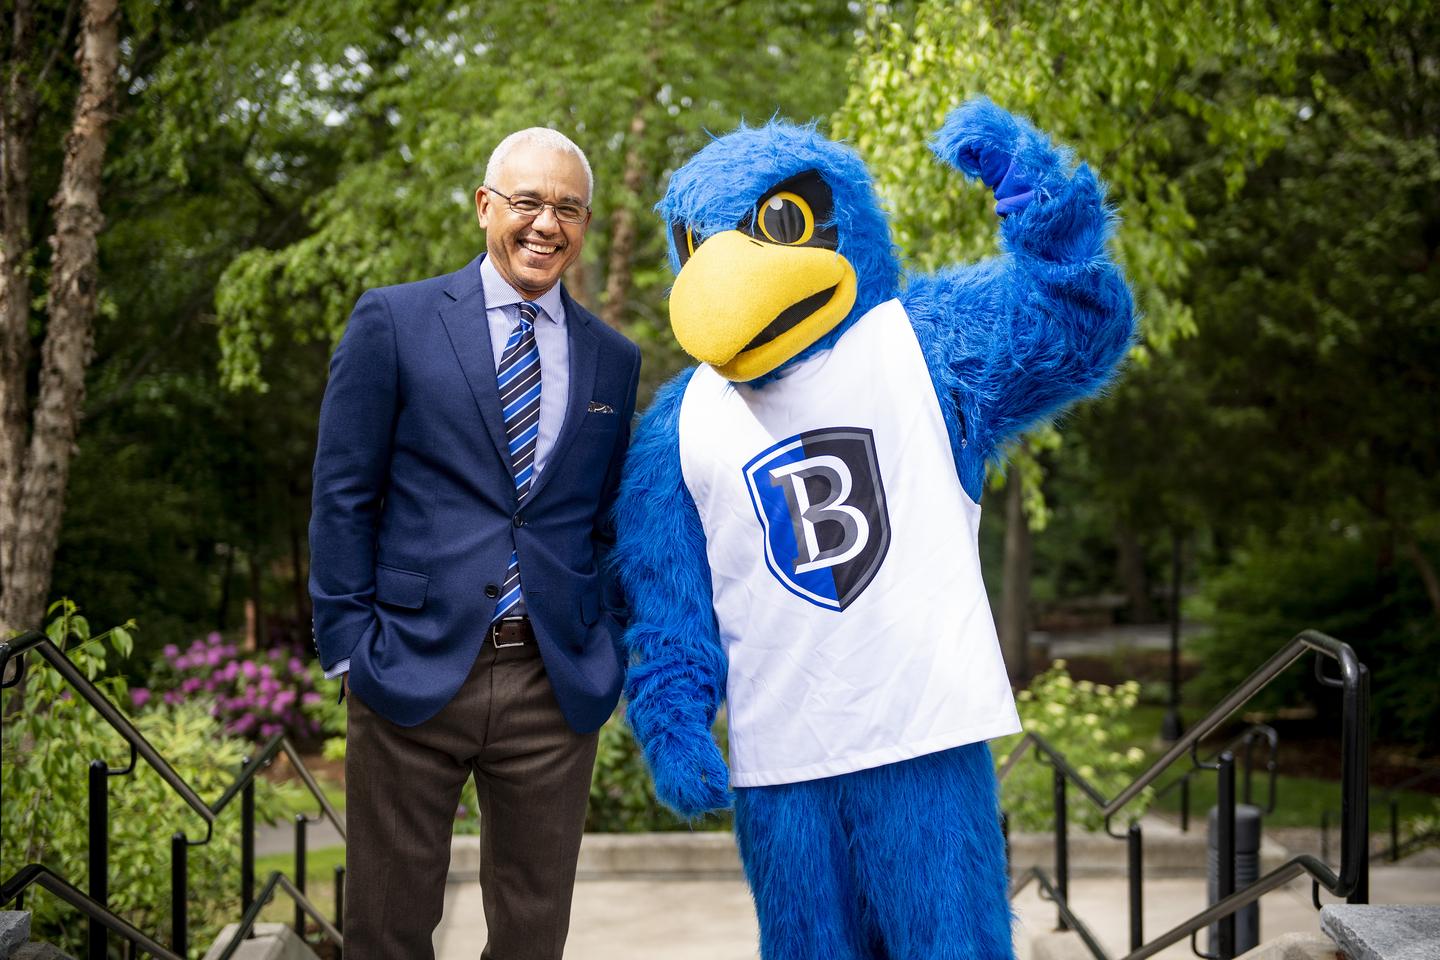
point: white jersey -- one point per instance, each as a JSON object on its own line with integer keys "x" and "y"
{"x": 844, "y": 562}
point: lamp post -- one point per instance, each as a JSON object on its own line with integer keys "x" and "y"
{"x": 1171, "y": 728}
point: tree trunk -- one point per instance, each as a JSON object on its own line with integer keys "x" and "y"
{"x": 17, "y": 130}
{"x": 623, "y": 228}
{"x": 1424, "y": 567}
{"x": 74, "y": 278}
{"x": 1130, "y": 558}
{"x": 1015, "y": 585}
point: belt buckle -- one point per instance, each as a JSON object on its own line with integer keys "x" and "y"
{"x": 495, "y": 633}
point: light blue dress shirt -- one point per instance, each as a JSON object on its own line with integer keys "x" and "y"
{"x": 502, "y": 313}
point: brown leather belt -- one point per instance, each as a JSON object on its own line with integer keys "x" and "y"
{"x": 511, "y": 632}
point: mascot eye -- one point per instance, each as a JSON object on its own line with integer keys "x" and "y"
{"x": 687, "y": 241}
{"x": 786, "y": 218}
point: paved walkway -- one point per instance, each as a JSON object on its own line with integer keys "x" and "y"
{"x": 714, "y": 920}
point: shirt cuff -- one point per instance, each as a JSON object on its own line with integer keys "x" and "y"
{"x": 340, "y": 669}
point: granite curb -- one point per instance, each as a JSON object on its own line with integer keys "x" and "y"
{"x": 712, "y": 855}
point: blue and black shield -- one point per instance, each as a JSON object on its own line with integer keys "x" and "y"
{"x": 821, "y": 502}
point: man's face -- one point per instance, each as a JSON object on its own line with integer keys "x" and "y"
{"x": 532, "y": 252}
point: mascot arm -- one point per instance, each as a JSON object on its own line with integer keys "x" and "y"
{"x": 1049, "y": 320}
{"x": 675, "y": 678}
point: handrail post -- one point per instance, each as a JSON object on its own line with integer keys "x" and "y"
{"x": 1062, "y": 848}
{"x": 300, "y": 824}
{"x": 1137, "y": 902}
{"x": 1325, "y": 835}
{"x": 1394, "y": 829}
{"x": 340, "y": 897}
{"x": 179, "y": 894}
{"x": 1355, "y": 805}
{"x": 1005, "y": 836}
{"x": 1185, "y": 804}
{"x": 1225, "y": 835}
{"x": 247, "y": 841}
{"x": 97, "y": 942}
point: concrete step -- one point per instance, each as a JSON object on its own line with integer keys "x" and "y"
{"x": 1383, "y": 931}
{"x": 271, "y": 941}
{"x": 712, "y": 855}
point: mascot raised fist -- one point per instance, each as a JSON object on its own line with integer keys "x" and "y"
{"x": 798, "y": 520}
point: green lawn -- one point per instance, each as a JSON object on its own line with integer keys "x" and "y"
{"x": 319, "y": 881}
{"x": 1299, "y": 801}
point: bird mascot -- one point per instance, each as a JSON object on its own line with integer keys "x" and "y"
{"x": 797, "y": 523}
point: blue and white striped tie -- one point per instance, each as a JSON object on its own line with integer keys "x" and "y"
{"x": 519, "y": 379}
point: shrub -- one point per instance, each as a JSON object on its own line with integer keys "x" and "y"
{"x": 1089, "y": 725}
{"x": 49, "y": 742}
{"x": 1341, "y": 583}
{"x": 622, "y": 795}
{"x": 255, "y": 694}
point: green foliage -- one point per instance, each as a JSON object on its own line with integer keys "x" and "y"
{"x": 50, "y": 739}
{"x": 622, "y": 797}
{"x": 1089, "y": 724}
{"x": 411, "y": 100}
{"x": 1336, "y": 580}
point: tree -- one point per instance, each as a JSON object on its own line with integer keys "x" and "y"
{"x": 1132, "y": 87}
{"x": 423, "y": 98}
{"x": 32, "y": 485}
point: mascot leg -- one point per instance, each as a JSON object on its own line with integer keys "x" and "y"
{"x": 930, "y": 858}
{"x": 795, "y": 850}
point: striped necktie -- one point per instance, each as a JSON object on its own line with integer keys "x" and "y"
{"x": 519, "y": 379}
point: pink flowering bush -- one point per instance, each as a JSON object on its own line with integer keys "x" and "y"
{"x": 255, "y": 694}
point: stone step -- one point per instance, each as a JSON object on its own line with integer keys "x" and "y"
{"x": 271, "y": 941}
{"x": 712, "y": 855}
{"x": 1383, "y": 931}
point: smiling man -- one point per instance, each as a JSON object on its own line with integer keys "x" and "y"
{"x": 470, "y": 445}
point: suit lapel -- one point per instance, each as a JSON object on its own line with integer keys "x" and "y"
{"x": 584, "y": 355}
{"x": 469, "y": 334}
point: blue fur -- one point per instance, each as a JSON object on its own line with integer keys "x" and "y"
{"x": 676, "y": 677}
{"x": 902, "y": 861}
{"x": 722, "y": 184}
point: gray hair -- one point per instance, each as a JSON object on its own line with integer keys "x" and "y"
{"x": 540, "y": 137}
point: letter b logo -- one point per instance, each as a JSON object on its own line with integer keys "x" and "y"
{"x": 820, "y": 499}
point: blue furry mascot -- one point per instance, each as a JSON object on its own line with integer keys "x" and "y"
{"x": 798, "y": 518}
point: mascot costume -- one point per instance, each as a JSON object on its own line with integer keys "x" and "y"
{"x": 797, "y": 523}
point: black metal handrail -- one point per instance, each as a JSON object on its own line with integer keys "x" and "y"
{"x": 1352, "y": 881}
{"x": 1247, "y": 739}
{"x": 94, "y": 904}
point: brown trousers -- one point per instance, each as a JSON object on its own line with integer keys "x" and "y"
{"x": 402, "y": 787}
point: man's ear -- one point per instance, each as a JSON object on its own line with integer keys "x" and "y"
{"x": 482, "y": 207}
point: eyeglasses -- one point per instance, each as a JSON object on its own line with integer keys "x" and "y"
{"x": 531, "y": 207}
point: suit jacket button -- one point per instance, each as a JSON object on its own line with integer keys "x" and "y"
{"x": 492, "y": 591}
{"x": 518, "y": 520}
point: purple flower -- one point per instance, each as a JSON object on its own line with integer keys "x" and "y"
{"x": 171, "y": 651}
{"x": 249, "y": 669}
{"x": 190, "y": 685}
{"x": 213, "y": 639}
{"x": 310, "y": 697}
{"x": 139, "y": 697}
{"x": 212, "y": 658}
{"x": 296, "y": 666}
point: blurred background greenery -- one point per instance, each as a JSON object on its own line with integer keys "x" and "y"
{"x": 1275, "y": 170}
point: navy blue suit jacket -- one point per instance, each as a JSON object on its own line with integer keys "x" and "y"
{"x": 415, "y": 514}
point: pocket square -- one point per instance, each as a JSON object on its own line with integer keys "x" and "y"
{"x": 597, "y": 407}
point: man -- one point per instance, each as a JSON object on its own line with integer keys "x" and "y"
{"x": 471, "y": 440}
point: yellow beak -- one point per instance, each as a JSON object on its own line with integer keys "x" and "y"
{"x": 745, "y": 307}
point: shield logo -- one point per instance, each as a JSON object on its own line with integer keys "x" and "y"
{"x": 820, "y": 500}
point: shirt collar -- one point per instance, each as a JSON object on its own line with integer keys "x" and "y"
{"x": 499, "y": 293}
